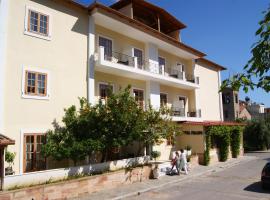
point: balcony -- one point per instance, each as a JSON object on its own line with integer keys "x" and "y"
{"x": 131, "y": 67}
{"x": 179, "y": 114}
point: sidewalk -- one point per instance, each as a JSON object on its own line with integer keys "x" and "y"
{"x": 151, "y": 184}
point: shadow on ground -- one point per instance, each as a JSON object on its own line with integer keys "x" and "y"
{"x": 256, "y": 187}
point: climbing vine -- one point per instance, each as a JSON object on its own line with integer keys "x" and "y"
{"x": 235, "y": 140}
{"x": 222, "y": 137}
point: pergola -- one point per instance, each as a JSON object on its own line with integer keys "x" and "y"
{"x": 4, "y": 142}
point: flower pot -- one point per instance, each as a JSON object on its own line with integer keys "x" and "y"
{"x": 156, "y": 173}
{"x": 9, "y": 171}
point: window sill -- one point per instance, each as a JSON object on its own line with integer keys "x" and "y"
{"x": 48, "y": 38}
{"x": 25, "y": 96}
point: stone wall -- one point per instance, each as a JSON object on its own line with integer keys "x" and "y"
{"x": 79, "y": 187}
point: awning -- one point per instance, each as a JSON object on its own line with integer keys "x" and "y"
{"x": 5, "y": 141}
{"x": 214, "y": 123}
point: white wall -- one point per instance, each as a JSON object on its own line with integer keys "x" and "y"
{"x": 3, "y": 41}
{"x": 59, "y": 174}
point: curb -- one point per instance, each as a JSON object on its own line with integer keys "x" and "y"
{"x": 219, "y": 168}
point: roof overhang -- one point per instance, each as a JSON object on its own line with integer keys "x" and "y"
{"x": 118, "y": 22}
{"x": 174, "y": 22}
{"x": 211, "y": 63}
{"x": 214, "y": 123}
{"x": 5, "y": 141}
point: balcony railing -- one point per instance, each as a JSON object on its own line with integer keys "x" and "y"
{"x": 195, "y": 113}
{"x": 178, "y": 112}
{"x": 152, "y": 67}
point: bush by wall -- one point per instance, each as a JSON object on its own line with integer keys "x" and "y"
{"x": 222, "y": 137}
{"x": 235, "y": 140}
{"x": 257, "y": 135}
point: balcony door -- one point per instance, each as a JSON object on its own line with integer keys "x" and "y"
{"x": 161, "y": 64}
{"x": 139, "y": 54}
{"x": 107, "y": 44}
{"x": 179, "y": 106}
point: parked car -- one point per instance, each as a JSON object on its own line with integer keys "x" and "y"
{"x": 265, "y": 178}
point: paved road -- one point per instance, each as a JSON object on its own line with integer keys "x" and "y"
{"x": 239, "y": 182}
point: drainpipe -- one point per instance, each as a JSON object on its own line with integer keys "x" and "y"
{"x": 91, "y": 61}
{"x": 220, "y": 98}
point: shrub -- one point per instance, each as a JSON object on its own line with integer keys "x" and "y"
{"x": 235, "y": 140}
{"x": 9, "y": 157}
{"x": 155, "y": 154}
{"x": 257, "y": 135}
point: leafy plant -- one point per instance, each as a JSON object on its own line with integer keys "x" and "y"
{"x": 9, "y": 157}
{"x": 257, "y": 135}
{"x": 155, "y": 154}
{"x": 188, "y": 148}
{"x": 103, "y": 127}
{"x": 259, "y": 64}
{"x": 236, "y": 133}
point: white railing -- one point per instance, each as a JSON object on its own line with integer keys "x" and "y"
{"x": 152, "y": 67}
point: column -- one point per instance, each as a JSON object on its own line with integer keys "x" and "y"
{"x": 91, "y": 61}
{"x": 153, "y": 94}
{"x": 3, "y": 56}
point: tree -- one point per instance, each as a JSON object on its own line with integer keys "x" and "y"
{"x": 258, "y": 66}
{"x": 257, "y": 135}
{"x": 104, "y": 127}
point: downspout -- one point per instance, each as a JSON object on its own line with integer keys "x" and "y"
{"x": 220, "y": 98}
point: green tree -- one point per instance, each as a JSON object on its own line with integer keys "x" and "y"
{"x": 102, "y": 127}
{"x": 257, "y": 135}
{"x": 256, "y": 72}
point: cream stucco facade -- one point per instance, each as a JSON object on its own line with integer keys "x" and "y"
{"x": 74, "y": 63}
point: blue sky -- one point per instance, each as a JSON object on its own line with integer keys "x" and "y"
{"x": 223, "y": 29}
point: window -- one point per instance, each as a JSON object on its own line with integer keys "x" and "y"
{"x": 139, "y": 97}
{"x": 35, "y": 83}
{"x": 163, "y": 100}
{"x": 139, "y": 54}
{"x": 170, "y": 141}
{"x": 236, "y": 98}
{"x": 33, "y": 159}
{"x": 104, "y": 90}
{"x": 38, "y": 23}
{"x": 107, "y": 44}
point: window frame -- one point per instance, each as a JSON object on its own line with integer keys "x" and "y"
{"x": 139, "y": 89}
{"x": 133, "y": 55}
{"x": 104, "y": 83}
{"x": 37, "y": 71}
{"x": 163, "y": 93}
{"x": 38, "y": 34}
{"x": 34, "y": 151}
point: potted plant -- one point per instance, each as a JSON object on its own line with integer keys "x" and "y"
{"x": 155, "y": 155}
{"x": 9, "y": 158}
{"x": 189, "y": 150}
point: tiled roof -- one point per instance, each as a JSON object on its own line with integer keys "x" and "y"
{"x": 4, "y": 140}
